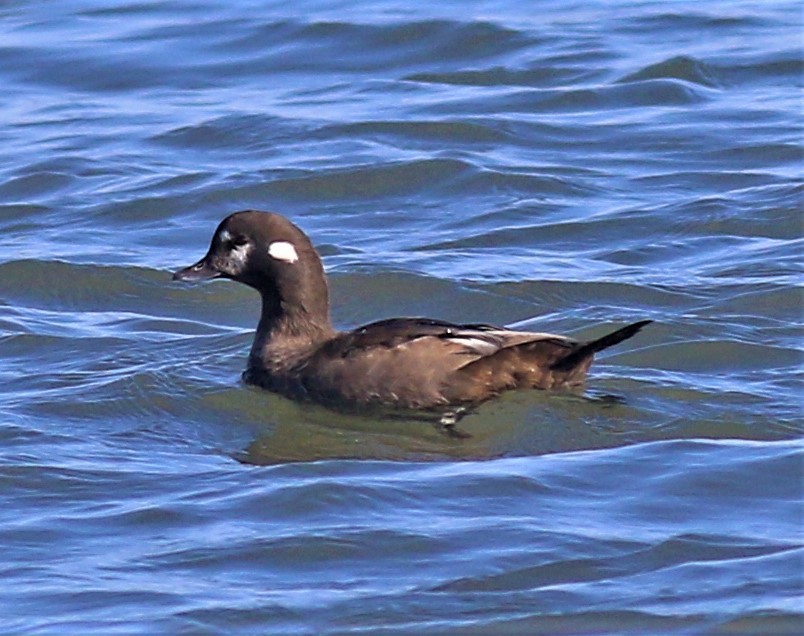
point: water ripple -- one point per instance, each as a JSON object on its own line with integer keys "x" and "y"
{"x": 568, "y": 170}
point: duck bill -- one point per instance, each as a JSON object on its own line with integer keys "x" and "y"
{"x": 201, "y": 270}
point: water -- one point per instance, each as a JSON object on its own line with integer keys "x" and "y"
{"x": 566, "y": 166}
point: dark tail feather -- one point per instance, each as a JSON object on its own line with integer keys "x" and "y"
{"x": 590, "y": 348}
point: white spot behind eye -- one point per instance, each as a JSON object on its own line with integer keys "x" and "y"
{"x": 224, "y": 236}
{"x": 283, "y": 251}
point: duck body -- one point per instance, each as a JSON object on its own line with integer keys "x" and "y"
{"x": 415, "y": 364}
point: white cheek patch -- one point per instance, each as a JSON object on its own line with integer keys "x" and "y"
{"x": 283, "y": 251}
{"x": 240, "y": 253}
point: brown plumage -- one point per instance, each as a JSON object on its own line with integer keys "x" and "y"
{"x": 402, "y": 363}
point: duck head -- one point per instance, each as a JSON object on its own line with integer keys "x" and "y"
{"x": 269, "y": 253}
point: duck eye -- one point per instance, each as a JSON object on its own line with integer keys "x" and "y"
{"x": 239, "y": 240}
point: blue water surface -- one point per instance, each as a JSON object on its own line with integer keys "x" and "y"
{"x": 553, "y": 166}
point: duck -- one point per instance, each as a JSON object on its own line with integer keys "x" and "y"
{"x": 394, "y": 365}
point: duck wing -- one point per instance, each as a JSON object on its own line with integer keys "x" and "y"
{"x": 422, "y": 363}
{"x": 533, "y": 360}
{"x": 395, "y": 332}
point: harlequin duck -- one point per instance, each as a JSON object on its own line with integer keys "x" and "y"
{"x": 415, "y": 364}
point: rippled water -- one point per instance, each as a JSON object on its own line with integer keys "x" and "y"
{"x": 566, "y": 166}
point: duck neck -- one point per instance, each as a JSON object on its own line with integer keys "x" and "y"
{"x": 287, "y": 331}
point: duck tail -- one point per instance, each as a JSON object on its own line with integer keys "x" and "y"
{"x": 588, "y": 349}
